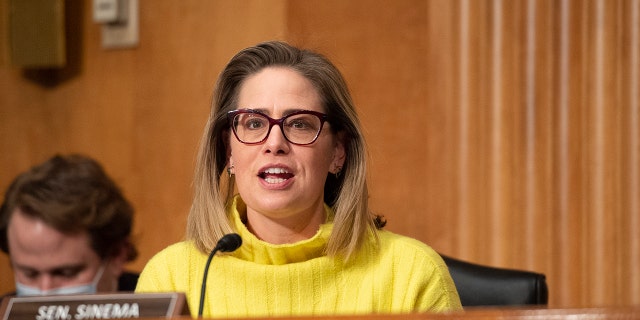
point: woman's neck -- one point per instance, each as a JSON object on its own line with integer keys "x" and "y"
{"x": 285, "y": 230}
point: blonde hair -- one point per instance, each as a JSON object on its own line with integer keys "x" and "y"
{"x": 347, "y": 193}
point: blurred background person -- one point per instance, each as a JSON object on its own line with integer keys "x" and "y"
{"x": 66, "y": 227}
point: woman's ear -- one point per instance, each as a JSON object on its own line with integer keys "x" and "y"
{"x": 339, "y": 154}
{"x": 231, "y": 170}
{"x": 227, "y": 147}
{"x": 227, "y": 142}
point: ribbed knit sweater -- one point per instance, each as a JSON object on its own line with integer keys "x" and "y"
{"x": 400, "y": 275}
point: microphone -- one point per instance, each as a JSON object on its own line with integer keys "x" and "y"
{"x": 228, "y": 243}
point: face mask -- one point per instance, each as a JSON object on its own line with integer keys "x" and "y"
{"x": 90, "y": 288}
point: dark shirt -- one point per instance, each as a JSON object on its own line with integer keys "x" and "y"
{"x": 128, "y": 281}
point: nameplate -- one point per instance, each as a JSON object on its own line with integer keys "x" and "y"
{"x": 95, "y": 306}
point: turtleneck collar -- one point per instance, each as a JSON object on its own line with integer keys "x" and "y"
{"x": 261, "y": 252}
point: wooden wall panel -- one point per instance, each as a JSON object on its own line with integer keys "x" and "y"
{"x": 519, "y": 144}
{"x": 139, "y": 111}
{"x": 500, "y": 132}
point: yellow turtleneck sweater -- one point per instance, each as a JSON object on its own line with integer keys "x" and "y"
{"x": 401, "y": 275}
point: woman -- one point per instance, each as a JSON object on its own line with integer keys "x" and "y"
{"x": 285, "y": 129}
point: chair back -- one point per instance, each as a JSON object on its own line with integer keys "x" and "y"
{"x": 480, "y": 285}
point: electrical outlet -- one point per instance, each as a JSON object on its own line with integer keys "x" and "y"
{"x": 122, "y": 33}
{"x": 106, "y": 11}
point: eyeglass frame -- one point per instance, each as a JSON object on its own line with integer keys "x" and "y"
{"x": 279, "y": 122}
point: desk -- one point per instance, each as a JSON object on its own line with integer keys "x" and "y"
{"x": 476, "y": 313}
{"x": 605, "y": 313}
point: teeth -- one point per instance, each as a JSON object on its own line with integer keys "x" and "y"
{"x": 274, "y": 180}
{"x": 275, "y": 170}
{"x": 269, "y": 175}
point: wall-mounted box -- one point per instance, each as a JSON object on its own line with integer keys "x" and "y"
{"x": 36, "y": 32}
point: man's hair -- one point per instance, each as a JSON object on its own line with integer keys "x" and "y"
{"x": 347, "y": 194}
{"x": 72, "y": 194}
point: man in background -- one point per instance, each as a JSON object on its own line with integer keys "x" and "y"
{"x": 66, "y": 227}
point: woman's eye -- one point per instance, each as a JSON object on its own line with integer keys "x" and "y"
{"x": 298, "y": 124}
{"x": 301, "y": 123}
{"x": 254, "y": 124}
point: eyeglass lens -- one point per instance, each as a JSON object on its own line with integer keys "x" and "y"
{"x": 301, "y": 128}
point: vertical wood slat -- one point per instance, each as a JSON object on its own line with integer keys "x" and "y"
{"x": 562, "y": 278}
{"x": 530, "y": 177}
{"x": 603, "y": 156}
{"x": 472, "y": 150}
{"x": 464, "y": 121}
{"x": 539, "y": 139}
{"x": 497, "y": 188}
{"x": 632, "y": 203}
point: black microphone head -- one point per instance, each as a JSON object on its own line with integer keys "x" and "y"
{"x": 229, "y": 242}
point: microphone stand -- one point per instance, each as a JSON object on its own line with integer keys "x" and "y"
{"x": 228, "y": 243}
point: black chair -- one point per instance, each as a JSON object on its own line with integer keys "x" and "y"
{"x": 480, "y": 285}
{"x": 127, "y": 281}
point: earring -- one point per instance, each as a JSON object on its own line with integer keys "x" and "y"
{"x": 229, "y": 172}
{"x": 338, "y": 171}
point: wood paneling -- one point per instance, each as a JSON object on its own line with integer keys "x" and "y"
{"x": 501, "y": 132}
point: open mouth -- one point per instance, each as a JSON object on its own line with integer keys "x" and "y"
{"x": 275, "y": 175}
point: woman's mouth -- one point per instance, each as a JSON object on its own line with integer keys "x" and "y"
{"x": 275, "y": 175}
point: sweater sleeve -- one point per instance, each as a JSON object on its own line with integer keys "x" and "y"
{"x": 154, "y": 275}
{"x": 421, "y": 274}
{"x": 165, "y": 272}
{"x": 440, "y": 292}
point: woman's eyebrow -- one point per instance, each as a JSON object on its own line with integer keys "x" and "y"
{"x": 284, "y": 113}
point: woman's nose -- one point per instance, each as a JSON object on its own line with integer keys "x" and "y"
{"x": 276, "y": 141}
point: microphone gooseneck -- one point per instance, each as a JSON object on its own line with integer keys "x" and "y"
{"x": 228, "y": 243}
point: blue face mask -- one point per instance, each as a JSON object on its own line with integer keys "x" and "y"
{"x": 90, "y": 288}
